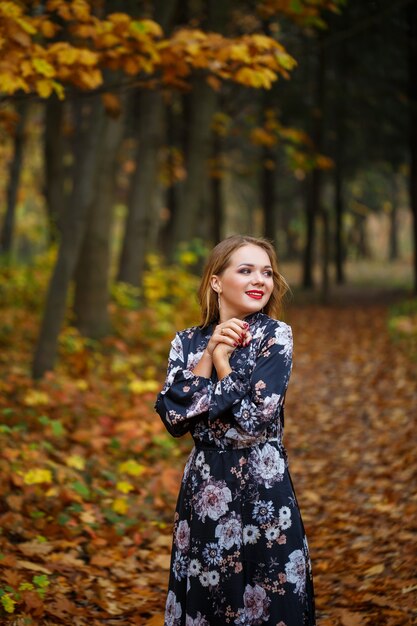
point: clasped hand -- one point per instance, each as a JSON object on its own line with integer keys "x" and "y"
{"x": 226, "y": 337}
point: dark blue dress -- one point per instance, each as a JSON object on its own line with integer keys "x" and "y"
{"x": 240, "y": 554}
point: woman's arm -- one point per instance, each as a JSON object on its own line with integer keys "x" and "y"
{"x": 186, "y": 394}
{"x": 256, "y": 400}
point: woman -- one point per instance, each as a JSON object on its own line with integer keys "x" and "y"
{"x": 239, "y": 555}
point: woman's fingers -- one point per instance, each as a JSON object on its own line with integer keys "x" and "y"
{"x": 235, "y": 329}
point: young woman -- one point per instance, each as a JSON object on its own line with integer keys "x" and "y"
{"x": 240, "y": 554}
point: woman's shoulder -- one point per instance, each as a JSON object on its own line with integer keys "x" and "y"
{"x": 271, "y": 328}
{"x": 272, "y": 324}
{"x": 192, "y": 332}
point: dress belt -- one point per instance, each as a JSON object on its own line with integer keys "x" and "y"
{"x": 238, "y": 445}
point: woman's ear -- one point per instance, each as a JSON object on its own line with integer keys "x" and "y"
{"x": 215, "y": 284}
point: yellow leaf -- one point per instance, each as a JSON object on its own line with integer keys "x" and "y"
{"x": 120, "y": 506}
{"x": 82, "y": 385}
{"x": 34, "y": 398}
{"x": 44, "y": 88}
{"x": 375, "y": 569}
{"x": 124, "y": 486}
{"x": 131, "y": 467}
{"x": 43, "y": 67}
{"x": 143, "y": 386}
{"x": 76, "y": 461}
{"x": 37, "y": 476}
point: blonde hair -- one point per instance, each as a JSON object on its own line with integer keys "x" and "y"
{"x": 218, "y": 261}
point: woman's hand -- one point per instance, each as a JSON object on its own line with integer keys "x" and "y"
{"x": 228, "y": 335}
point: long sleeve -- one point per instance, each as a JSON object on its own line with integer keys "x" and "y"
{"x": 184, "y": 396}
{"x": 255, "y": 400}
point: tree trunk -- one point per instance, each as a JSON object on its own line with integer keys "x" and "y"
{"x": 164, "y": 234}
{"x": 91, "y": 296}
{"x": 74, "y": 225}
{"x": 313, "y": 198}
{"x": 216, "y": 192}
{"x": 54, "y": 164}
{"x": 393, "y": 226}
{"x": 339, "y": 206}
{"x": 268, "y": 173}
{"x": 6, "y": 240}
{"x": 141, "y": 208}
{"x": 412, "y": 91}
{"x": 203, "y": 105}
{"x": 325, "y": 251}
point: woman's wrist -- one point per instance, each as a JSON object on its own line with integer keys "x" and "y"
{"x": 205, "y": 365}
{"x": 221, "y": 363}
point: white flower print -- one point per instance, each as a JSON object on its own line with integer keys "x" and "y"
{"x": 229, "y": 531}
{"x": 194, "y": 567}
{"x": 173, "y": 610}
{"x": 212, "y": 553}
{"x": 263, "y": 511}
{"x": 266, "y": 465}
{"x": 200, "y": 403}
{"x": 295, "y": 571}
{"x": 283, "y": 336}
{"x": 285, "y": 512}
{"x": 272, "y": 533}
{"x": 200, "y": 620}
{"x": 251, "y": 534}
{"x": 212, "y": 500}
{"x": 256, "y": 604}
{"x": 180, "y": 566}
{"x": 247, "y": 418}
{"x": 284, "y": 517}
{"x": 200, "y": 459}
{"x": 213, "y": 578}
{"x": 182, "y": 536}
{"x": 205, "y": 471}
{"x": 204, "y": 579}
{"x": 193, "y": 359}
{"x": 285, "y": 524}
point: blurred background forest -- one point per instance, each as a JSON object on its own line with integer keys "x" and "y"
{"x": 134, "y": 136}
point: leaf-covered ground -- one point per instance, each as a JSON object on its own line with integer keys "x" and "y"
{"x": 89, "y": 478}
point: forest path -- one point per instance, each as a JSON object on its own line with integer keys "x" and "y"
{"x": 351, "y": 437}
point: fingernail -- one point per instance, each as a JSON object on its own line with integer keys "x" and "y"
{"x": 235, "y": 344}
{"x": 246, "y": 325}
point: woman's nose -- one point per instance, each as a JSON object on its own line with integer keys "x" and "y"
{"x": 258, "y": 278}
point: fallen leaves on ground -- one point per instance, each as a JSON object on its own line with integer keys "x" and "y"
{"x": 89, "y": 477}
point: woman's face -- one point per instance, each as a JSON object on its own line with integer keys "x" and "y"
{"x": 246, "y": 284}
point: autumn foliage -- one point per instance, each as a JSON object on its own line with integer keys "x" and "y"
{"x": 90, "y": 477}
{"x": 69, "y": 45}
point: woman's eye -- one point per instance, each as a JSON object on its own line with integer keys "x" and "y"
{"x": 244, "y": 270}
{"x": 268, "y": 273}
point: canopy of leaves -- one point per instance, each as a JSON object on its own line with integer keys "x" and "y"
{"x": 69, "y": 45}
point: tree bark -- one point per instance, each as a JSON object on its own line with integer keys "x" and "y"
{"x": 91, "y": 297}
{"x": 203, "y": 105}
{"x": 54, "y": 164}
{"x": 74, "y": 224}
{"x": 216, "y": 193}
{"x": 339, "y": 240}
{"x": 393, "y": 227}
{"x": 6, "y": 240}
{"x": 412, "y": 92}
{"x": 142, "y": 196}
{"x": 313, "y": 198}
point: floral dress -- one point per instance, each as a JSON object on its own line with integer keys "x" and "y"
{"x": 240, "y": 554}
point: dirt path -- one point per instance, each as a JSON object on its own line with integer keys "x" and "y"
{"x": 351, "y": 435}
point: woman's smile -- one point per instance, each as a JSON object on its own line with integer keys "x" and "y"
{"x": 246, "y": 285}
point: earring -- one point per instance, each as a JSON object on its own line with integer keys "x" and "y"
{"x": 218, "y": 300}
